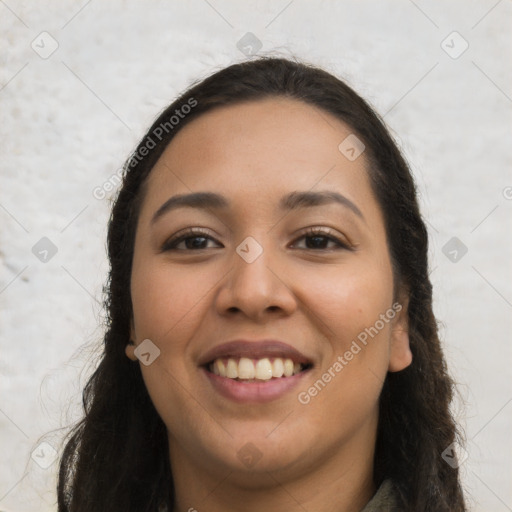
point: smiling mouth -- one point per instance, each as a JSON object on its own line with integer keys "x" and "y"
{"x": 256, "y": 370}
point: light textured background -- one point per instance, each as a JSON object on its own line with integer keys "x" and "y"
{"x": 70, "y": 120}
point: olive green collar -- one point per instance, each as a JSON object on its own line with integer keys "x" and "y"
{"x": 384, "y": 500}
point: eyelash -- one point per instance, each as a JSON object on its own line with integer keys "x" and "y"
{"x": 170, "y": 245}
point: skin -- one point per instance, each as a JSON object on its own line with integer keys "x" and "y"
{"x": 317, "y": 456}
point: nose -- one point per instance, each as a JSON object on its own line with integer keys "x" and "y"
{"x": 258, "y": 289}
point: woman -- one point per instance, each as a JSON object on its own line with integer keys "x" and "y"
{"x": 271, "y": 343}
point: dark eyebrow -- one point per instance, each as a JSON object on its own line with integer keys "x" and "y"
{"x": 292, "y": 201}
{"x": 308, "y": 199}
{"x": 203, "y": 200}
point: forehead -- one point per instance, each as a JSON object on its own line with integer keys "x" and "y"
{"x": 260, "y": 149}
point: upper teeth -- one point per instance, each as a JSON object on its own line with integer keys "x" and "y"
{"x": 261, "y": 369}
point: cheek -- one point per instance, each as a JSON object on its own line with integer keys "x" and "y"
{"x": 166, "y": 301}
{"x": 347, "y": 306}
{"x": 345, "y": 301}
{"x": 168, "y": 307}
{"x": 352, "y": 371}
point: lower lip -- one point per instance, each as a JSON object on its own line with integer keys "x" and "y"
{"x": 254, "y": 392}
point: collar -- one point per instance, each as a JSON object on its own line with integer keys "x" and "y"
{"x": 384, "y": 500}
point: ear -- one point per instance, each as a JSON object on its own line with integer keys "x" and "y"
{"x": 400, "y": 355}
{"x": 130, "y": 346}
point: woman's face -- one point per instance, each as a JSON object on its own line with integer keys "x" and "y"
{"x": 286, "y": 269}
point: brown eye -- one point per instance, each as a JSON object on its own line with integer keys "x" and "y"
{"x": 318, "y": 239}
{"x": 191, "y": 240}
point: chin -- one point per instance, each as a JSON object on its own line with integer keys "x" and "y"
{"x": 253, "y": 457}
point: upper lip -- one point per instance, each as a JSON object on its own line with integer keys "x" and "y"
{"x": 254, "y": 350}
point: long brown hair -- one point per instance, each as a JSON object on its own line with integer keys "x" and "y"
{"x": 116, "y": 458}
